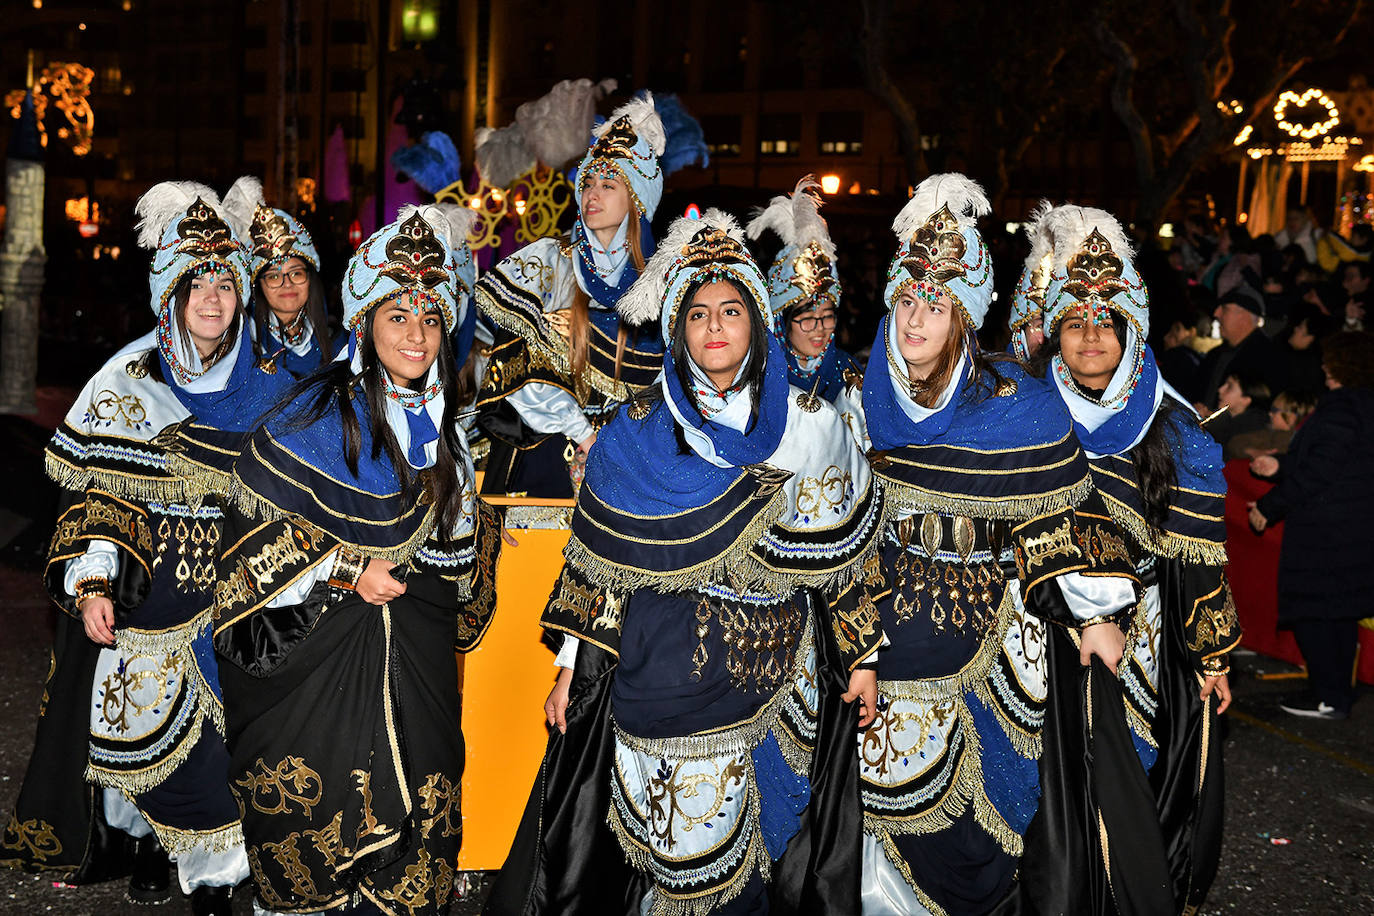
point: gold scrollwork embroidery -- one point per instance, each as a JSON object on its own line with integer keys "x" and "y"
{"x": 274, "y": 789}
{"x": 582, "y": 602}
{"x": 35, "y": 836}
{"x": 413, "y": 890}
{"x": 370, "y": 825}
{"x": 110, "y": 405}
{"x": 816, "y": 495}
{"x": 123, "y": 688}
{"x": 440, "y": 799}
{"x": 880, "y": 748}
{"x": 1057, "y": 542}
{"x": 668, "y": 788}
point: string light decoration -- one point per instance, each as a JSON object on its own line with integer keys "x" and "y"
{"x": 1331, "y": 149}
{"x": 67, "y": 87}
{"x": 1290, "y": 99}
{"x": 1244, "y": 134}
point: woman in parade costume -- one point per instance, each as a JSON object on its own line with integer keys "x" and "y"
{"x": 1027, "y": 321}
{"x": 131, "y": 565}
{"x": 289, "y": 317}
{"x": 988, "y": 501}
{"x": 804, "y": 286}
{"x": 356, "y": 564}
{"x": 1110, "y": 838}
{"x": 717, "y": 593}
{"x": 564, "y": 360}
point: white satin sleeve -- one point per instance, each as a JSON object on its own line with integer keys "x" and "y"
{"x": 549, "y": 409}
{"x": 567, "y": 656}
{"x": 100, "y": 559}
{"x": 296, "y": 592}
{"x": 1095, "y": 596}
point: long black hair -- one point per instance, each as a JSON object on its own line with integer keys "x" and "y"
{"x": 315, "y": 309}
{"x": 1152, "y": 456}
{"x": 334, "y": 387}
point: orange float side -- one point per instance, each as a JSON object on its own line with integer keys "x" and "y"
{"x": 505, "y": 681}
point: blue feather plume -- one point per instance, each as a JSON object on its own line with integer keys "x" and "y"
{"x": 686, "y": 142}
{"x": 433, "y": 163}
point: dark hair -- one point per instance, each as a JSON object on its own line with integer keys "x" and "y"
{"x": 1241, "y": 243}
{"x": 1253, "y": 386}
{"x": 1362, "y": 266}
{"x": 1039, "y": 364}
{"x": 579, "y": 311}
{"x": 752, "y": 378}
{"x": 332, "y": 387}
{"x": 810, "y": 303}
{"x": 1348, "y": 357}
{"x": 181, "y": 296}
{"x": 315, "y": 309}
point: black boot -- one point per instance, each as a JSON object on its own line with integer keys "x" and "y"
{"x": 211, "y": 900}
{"x": 151, "y": 881}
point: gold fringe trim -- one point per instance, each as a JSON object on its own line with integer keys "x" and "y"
{"x": 1138, "y": 723}
{"x": 738, "y": 738}
{"x": 254, "y": 506}
{"x": 895, "y": 858}
{"x": 199, "y": 481}
{"x": 703, "y": 904}
{"x": 207, "y": 707}
{"x": 1164, "y": 543}
{"x": 177, "y": 841}
{"x": 973, "y": 674}
{"x": 797, "y": 755}
{"x": 903, "y": 498}
{"x": 125, "y": 486}
{"x": 510, "y": 320}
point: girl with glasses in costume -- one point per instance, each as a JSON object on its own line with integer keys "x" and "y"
{"x": 564, "y": 359}
{"x": 357, "y": 560}
{"x": 131, "y": 735}
{"x": 804, "y": 284}
{"x": 290, "y": 318}
{"x": 1130, "y": 816}
{"x": 716, "y": 610}
{"x": 988, "y": 513}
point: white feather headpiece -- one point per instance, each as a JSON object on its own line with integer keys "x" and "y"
{"x": 962, "y": 195}
{"x": 1038, "y": 233}
{"x": 460, "y": 220}
{"x": 795, "y": 217}
{"x": 241, "y": 201}
{"x": 1070, "y": 225}
{"x": 164, "y": 202}
{"x": 502, "y": 154}
{"x": 555, "y": 125}
{"x": 644, "y": 121}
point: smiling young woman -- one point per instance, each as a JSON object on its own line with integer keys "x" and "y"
{"x": 289, "y": 316}
{"x": 1158, "y": 475}
{"x": 365, "y": 475}
{"x": 983, "y": 480}
{"x": 804, "y": 288}
{"x": 130, "y": 566}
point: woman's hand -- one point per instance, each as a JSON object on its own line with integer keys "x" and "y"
{"x": 863, "y": 686}
{"x": 1105, "y": 640}
{"x": 1257, "y": 519}
{"x": 97, "y": 615}
{"x": 584, "y": 447}
{"x": 376, "y": 585}
{"x": 556, "y": 706}
{"x": 1219, "y": 684}
{"x": 1264, "y": 466}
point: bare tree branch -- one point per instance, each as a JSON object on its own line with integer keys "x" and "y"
{"x": 872, "y": 51}
{"x": 1123, "y": 98}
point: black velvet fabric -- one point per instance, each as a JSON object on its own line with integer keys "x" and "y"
{"x": 1190, "y": 737}
{"x": 564, "y": 859}
{"x": 962, "y": 867}
{"x": 819, "y": 872}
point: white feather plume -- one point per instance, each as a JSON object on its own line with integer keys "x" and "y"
{"x": 643, "y": 118}
{"x": 502, "y": 154}
{"x": 240, "y": 201}
{"x": 1068, "y": 226}
{"x": 796, "y": 218}
{"x": 1037, "y": 231}
{"x": 555, "y": 126}
{"x": 431, "y": 214}
{"x": 963, "y": 196}
{"x": 643, "y": 301}
{"x": 459, "y": 220}
{"x": 164, "y": 202}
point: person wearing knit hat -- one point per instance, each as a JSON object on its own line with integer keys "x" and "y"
{"x": 1027, "y": 321}
{"x": 987, "y": 496}
{"x": 564, "y": 359}
{"x": 1154, "y": 840}
{"x": 716, "y": 608}
{"x": 131, "y": 565}
{"x": 1245, "y": 348}
{"x": 290, "y": 319}
{"x": 804, "y": 284}
{"x": 355, "y": 559}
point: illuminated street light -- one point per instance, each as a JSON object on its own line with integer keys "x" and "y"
{"x": 830, "y": 184}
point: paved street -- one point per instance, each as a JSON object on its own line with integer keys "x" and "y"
{"x": 1309, "y": 783}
